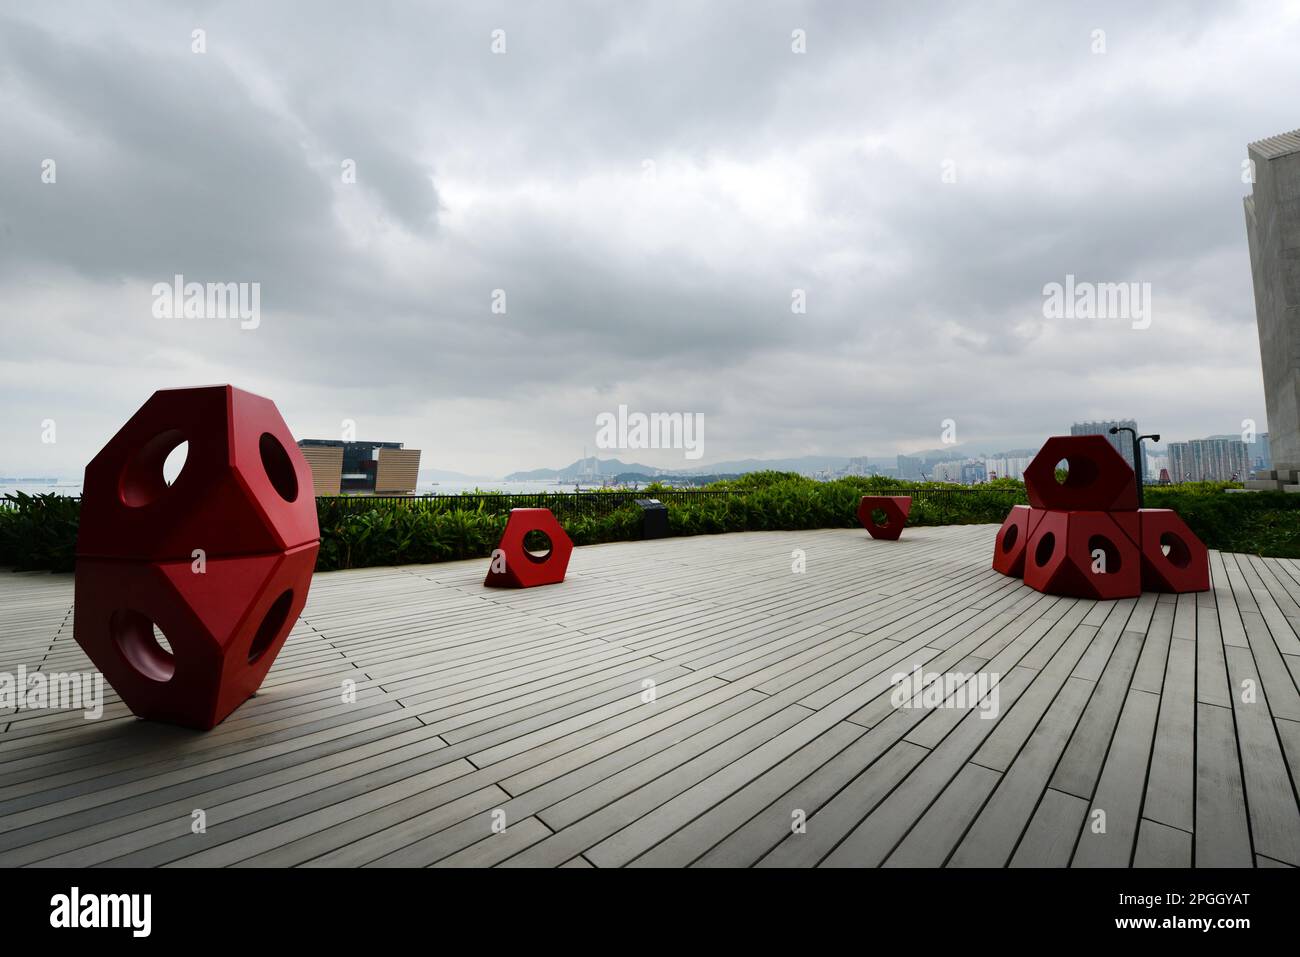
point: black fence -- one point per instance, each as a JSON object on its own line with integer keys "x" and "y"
{"x": 591, "y": 504}
{"x": 957, "y": 493}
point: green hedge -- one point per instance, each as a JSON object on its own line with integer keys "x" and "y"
{"x": 39, "y": 532}
{"x": 1256, "y": 523}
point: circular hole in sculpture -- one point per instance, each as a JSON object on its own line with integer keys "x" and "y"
{"x": 149, "y": 472}
{"x": 142, "y": 644}
{"x": 1046, "y": 548}
{"x": 271, "y": 626}
{"x": 1176, "y": 550}
{"x": 537, "y": 545}
{"x": 175, "y": 463}
{"x": 1076, "y": 473}
{"x": 279, "y": 467}
{"x": 1009, "y": 537}
{"x": 163, "y": 643}
{"x": 1104, "y": 555}
{"x": 880, "y": 517}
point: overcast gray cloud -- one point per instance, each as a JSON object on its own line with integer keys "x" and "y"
{"x": 648, "y": 182}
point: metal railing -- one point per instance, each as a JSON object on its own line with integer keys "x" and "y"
{"x": 595, "y": 504}
{"x": 1013, "y": 496}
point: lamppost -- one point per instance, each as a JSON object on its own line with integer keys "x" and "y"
{"x": 1137, "y": 454}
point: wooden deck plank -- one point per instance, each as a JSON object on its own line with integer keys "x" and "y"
{"x": 1270, "y": 793}
{"x": 1171, "y": 779}
{"x": 1049, "y": 839}
{"x": 1222, "y": 836}
{"x": 1159, "y": 845}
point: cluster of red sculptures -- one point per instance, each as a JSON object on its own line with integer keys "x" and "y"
{"x": 1087, "y": 536}
{"x": 219, "y": 561}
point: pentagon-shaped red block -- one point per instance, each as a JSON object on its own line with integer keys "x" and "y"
{"x": 896, "y": 509}
{"x": 513, "y": 566}
{"x": 1084, "y": 554}
{"x": 245, "y": 489}
{"x": 1098, "y": 477}
{"x": 1013, "y": 539}
{"x": 224, "y": 627}
{"x": 1173, "y": 558}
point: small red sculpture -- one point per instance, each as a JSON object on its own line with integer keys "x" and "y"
{"x": 896, "y": 509}
{"x": 1085, "y": 554}
{"x": 514, "y": 566}
{"x": 219, "y": 562}
{"x": 1086, "y": 537}
{"x": 1173, "y": 559}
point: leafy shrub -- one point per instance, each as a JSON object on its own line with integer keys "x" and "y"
{"x": 39, "y": 532}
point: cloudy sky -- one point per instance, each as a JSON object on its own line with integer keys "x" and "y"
{"x": 649, "y": 183}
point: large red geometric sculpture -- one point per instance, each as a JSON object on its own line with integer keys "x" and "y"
{"x": 896, "y": 509}
{"x": 219, "y": 562}
{"x": 514, "y": 566}
{"x": 1085, "y": 554}
{"x": 1086, "y": 537}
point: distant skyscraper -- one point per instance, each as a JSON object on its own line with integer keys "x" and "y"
{"x": 858, "y": 466}
{"x": 909, "y": 468}
{"x": 1122, "y": 441}
{"x": 1260, "y": 455}
{"x": 946, "y": 471}
{"x": 1208, "y": 460}
{"x": 1007, "y": 466}
{"x": 1157, "y": 463}
{"x": 1273, "y": 231}
{"x": 972, "y": 473}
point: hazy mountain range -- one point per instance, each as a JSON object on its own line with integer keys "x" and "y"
{"x": 806, "y": 464}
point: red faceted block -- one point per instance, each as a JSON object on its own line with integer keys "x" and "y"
{"x": 245, "y": 488}
{"x": 1173, "y": 558}
{"x": 223, "y": 628}
{"x": 896, "y": 509}
{"x": 513, "y": 566}
{"x": 219, "y": 561}
{"x": 1062, "y": 557}
{"x": 1013, "y": 539}
{"x": 1098, "y": 478}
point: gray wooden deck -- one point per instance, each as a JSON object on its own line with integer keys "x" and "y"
{"x": 476, "y": 706}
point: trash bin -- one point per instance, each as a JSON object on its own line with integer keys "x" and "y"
{"x": 654, "y": 518}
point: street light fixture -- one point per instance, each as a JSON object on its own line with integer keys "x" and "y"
{"x": 1137, "y": 454}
